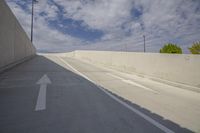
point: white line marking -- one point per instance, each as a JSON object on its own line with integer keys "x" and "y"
{"x": 152, "y": 121}
{"x": 75, "y": 70}
{"x": 147, "y": 118}
{"x": 41, "y": 100}
{"x": 133, "y": 83}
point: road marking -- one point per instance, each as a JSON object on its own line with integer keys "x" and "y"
{"x": 147, "y": 118}
{"x": 133, "y": 83}
{"x": 41, "y": 100}
{"x": 75, "y": 69}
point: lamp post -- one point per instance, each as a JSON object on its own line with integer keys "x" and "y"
{"x": 32, "y": 19}
{"x": 144, "y": 44}
{"x": 125, "y": 47}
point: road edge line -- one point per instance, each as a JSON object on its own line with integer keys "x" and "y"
{"x": 147, "y": 118}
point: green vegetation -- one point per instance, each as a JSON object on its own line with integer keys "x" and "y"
{"x": 195, "y": 49}
{"x": 171, "y": 48}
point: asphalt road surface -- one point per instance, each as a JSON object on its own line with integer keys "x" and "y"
{"x": 49, "y": 94}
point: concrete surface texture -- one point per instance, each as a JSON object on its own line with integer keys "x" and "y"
{"x": 172, "y": 103}
{"x": 177, "y": 68}
{"x": 78, "y": 97}
{"x": 14, "y": 43}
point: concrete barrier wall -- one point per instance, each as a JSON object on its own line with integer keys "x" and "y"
{"x": 14, "y": 43}
{"x": 177, "y": 67}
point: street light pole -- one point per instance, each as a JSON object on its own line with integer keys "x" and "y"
{"x": 144, "y": 44}
{"x": 125, "y": 47}
{"x": 32, "y": 21}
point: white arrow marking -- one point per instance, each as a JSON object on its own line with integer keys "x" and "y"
{"x": 41, "y": 101}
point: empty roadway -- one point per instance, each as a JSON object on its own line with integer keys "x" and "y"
{"x": 74, "y": 104}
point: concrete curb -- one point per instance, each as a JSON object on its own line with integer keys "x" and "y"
{"x": 11, "y": 65}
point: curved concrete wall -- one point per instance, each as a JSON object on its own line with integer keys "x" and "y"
{"x": 15, "y": 45}
{"x": 177, "y": 67}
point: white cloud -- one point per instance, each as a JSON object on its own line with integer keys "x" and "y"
{"x": 50, "y": 10}
{"x": 98, "y": 14}
{"x": 161, "y": 21}
{"x": 45, "y": 38}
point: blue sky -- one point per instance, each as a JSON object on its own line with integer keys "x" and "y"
{"x": 118, "y": 25}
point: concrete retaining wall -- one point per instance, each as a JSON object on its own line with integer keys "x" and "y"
{"x": 14, "y": 43}
{"x": 177, "y": 67}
